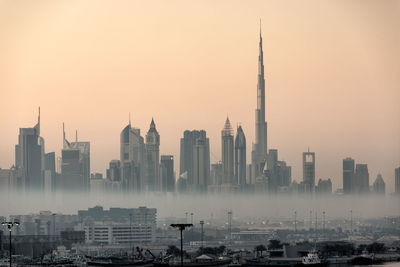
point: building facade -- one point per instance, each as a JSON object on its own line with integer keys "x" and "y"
{"x": 167, "y": 177}
{"x": 309, "y": 171}
{"x": 260, "y": 148}
{"x": 29, "y": 159}
{"x": 153, "y": 182}
{"x": 240, "y": 158}
{"x": 348, "y": 175}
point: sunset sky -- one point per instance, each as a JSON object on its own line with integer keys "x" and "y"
{"x": 332, "y": 76}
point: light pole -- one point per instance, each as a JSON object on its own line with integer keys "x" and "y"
{"x": 230, "y": 226}
{"x": 130, "y": 232}
{"x": 202, "y": 233}
{"x": 295, "y": 222}
{"x": 54, "y": 225}
{"x": 10, "y": 225}
{"x": 323, "y": 224}
{"x": 181, "y": 227}
{"x": 351, "y": 222}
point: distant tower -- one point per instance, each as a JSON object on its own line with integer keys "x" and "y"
{"x": 132, "y": 158}
{"x": 195, "y": 157}
{"x": 379, "y": 185}
{"x": 397, "y": 181}
{"x": 167, "y": 177}
{"x": 240, "y": 157}
{"x": 75, "y": 167}
{"x": 309, "y": 171}
{"x": 227, "y": 154}
{"x": 348, "y": 175}
{"x": 153, "y": 158}
{"x": 361, "y": 179}
{"x": 30, "y": 158}
{"x": 260, "y": 150}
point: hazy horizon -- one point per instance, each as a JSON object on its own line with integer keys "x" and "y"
{"x": 332, "y": 76}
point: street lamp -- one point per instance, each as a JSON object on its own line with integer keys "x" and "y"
{"x": 10, "y": 225}
{"x": 181, "y": 227}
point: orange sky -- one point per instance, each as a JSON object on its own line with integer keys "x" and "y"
{"x": 332, "y": 76}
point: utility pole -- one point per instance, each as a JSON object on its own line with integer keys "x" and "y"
{"x": 295, "y": 222}
{"x": 181, "y": 227}
{"x": 10, "y": 225}
{"x": 351, "y": 222}
{"x": 54, "y": 225}
{"x": 130, "y": 232}
{"x": 310, "y": 220}
{"x": 202, "y": 233}
{"x": 323, "y": 224}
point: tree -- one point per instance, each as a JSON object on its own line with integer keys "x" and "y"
{"x": 260, "y": 248}
{"x": 376, "y": 247}
{"x": 275, "y": 244}
{"x": 173, "y": 250}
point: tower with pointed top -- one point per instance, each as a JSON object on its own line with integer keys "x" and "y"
{"x": 132, "y": 158}
{"x": 153, "y": 158}
{"x": 228, "y": 177}
{"x": 29, "y": 158}
{"x": 75, "y": 165}
{"x": 240, "y": 158}
{"x": 259, "y": 152}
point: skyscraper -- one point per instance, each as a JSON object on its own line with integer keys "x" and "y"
{"x": 379, "y": 185}
{"x": 152, "y": 158}
{"x": 348, "y": 175}
{"x": 309, "y": 171}
{"x": 361, "y": 179}
{"x": 259, "y": 152}
{"x": 29, "y": 158}
{"x": 397, "y": 181}
{"x": 132, "y": 157}
{"x": 75, "y": 166}
{"x": 50, "y": 170}
{"x": 227, "y": 154}
{"x": 187, "y": 152}
{"x": 201, "y": 165}
{"x": 240, "y": 157}
{"x": 167, "y": 177}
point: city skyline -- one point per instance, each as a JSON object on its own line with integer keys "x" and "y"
{"x": 380, "y": 150}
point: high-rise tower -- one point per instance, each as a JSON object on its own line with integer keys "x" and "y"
{"x": 153, "y": 158}
{"x": 227, "y": 154}
{"x": 240, "y": 157}
{"x": 29, "y": 158}
{"x": 259, "y": 152}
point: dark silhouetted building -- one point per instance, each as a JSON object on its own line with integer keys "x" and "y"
{"x": 309, "y": 171}
{"x": 227, "y": 152}
{"x": 324, "y": 187}
{"x": 240, "y": 158}
{"x": 29, "y": 159}
{"x": 167, "y": 177}
{"x": 75, "y": 165}
{"x": 379, "y": 185}
{"x": 152, "y": 159}
{"x": 195, "y": 160}
{"x": 132, "y": 157}
{"x": 348, "y": 175}
{"x": 259, "y": 152}
{"x": 361, "y": 179}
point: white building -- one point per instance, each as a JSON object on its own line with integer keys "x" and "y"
{"x": 118, "y": 233}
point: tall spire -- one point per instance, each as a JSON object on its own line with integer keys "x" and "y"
{"x": 260, "y": 146}
{"x": 76, "y": 135}
{"x": 129, "y": 118}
